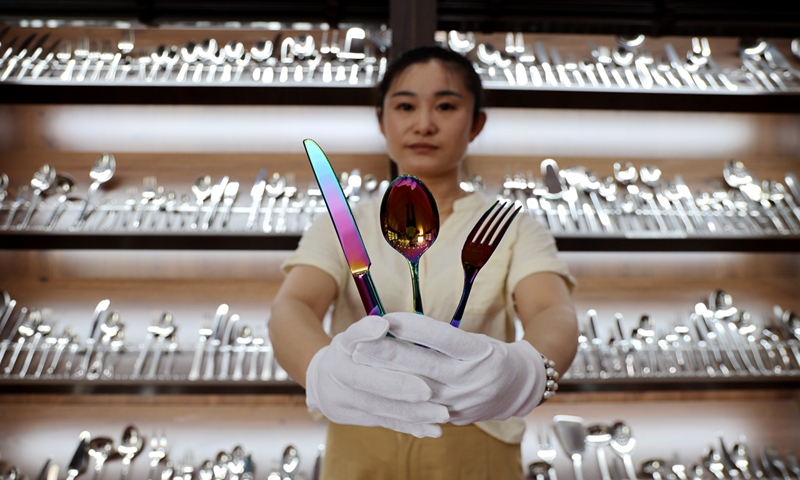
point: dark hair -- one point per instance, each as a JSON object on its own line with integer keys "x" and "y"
{"x": 456, "y": 62}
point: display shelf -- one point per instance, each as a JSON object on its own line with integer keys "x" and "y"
{"x": 258, "y": 241}
{"x": 181, "y": 386}
{"x": 93, "y": 94}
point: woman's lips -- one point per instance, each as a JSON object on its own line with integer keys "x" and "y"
{"x": 422, "y": 147}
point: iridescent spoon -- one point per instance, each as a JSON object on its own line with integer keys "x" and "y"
{"x": 410, "y": 224}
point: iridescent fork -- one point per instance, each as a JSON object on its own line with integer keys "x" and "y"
{"x": 481, "y": 243}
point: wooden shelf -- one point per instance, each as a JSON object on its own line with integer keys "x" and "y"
{"x": 244, "y": 241}
{"x": 182, "y": 386}
{"x": 92, "y": 94}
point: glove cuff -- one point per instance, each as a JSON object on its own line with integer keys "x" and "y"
{"x": 312, "y": 383}
{"x": 537, "y": 375}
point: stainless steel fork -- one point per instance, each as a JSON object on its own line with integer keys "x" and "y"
{"x": 545, "y": 450}
{"x": 481, "y": 243}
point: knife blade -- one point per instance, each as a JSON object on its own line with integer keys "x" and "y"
{"x": 45, "y": 469}
{"x": 544, "y": 61}
{"x": 216, "y": 195}
{"x": 257, "y": 193}
{"x": 80, "y": 460}
{"x": 91, "y": 340}
{"x": 37, "y": 50}
{"x": 562, "y": 71}
{"x": 677, "y": 65}
{"x": 345, "y": 225}
{"x": 12, "y": 62}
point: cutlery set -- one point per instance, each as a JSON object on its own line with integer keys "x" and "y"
{"x": 354, "y": 56}
{"x": 635, "y": 203}
{"x": 357, "y": 56}
{"x": 92, "y": 454}
{"x": 227, "y": 350}
{"x": 638, "y": 203}
{"x": 629, "y": 65}
{"x": 718, "y": 339}
{"x": 613, "y": 446}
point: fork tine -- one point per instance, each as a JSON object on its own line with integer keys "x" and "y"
{"x": 473, "y": 235}
{"x": 506, "y": 224}
{"x": 504, "y": 209}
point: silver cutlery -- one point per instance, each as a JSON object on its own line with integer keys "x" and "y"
{"x": 570, "y": 431}
{"x": 217, "y": 192}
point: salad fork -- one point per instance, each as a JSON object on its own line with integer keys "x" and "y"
{"x": 481, "y": 243}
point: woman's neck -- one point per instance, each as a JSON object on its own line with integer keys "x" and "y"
{"x": 446, "y": 191}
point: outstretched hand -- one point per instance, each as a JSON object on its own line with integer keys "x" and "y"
{"x": 369, "y": 395}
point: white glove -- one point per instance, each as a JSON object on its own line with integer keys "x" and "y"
{"x": 476, "y": 377}
{"x": 353, "y": 394}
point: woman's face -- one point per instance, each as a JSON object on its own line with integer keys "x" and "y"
{"x": 427, "y": 119}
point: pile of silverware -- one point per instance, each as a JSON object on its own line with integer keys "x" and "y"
{"x": 629, "y": 65}
{"x": 228, "y": 351}
{"x": 719, "y": 339}
{"x": 640, "y": 203}
{"x": 94, "y": 452}
{"x": 720, "y": 463}
{"x": 632, "y": 203}
{"x": 354, "y": 56}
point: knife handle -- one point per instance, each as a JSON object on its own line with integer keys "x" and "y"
{"x": 369, "y": 294}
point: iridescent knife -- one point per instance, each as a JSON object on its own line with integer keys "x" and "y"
{"x": 346, "y": 228}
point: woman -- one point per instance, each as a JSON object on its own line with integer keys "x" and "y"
{"x": 449, "y": 411}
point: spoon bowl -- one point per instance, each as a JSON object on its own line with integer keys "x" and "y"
{"x": 202, "y": 190}
{"x": 410, "y": 224}
{"x": 129, "y": 447}
{"x": 623, "y": 444}
{"x": 99, "y": 449}
{"x": 290, "y": 461}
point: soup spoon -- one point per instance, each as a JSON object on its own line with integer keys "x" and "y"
{"x": 410, "y": 224}
{"x": 64, "y": 185}
{"x": 130, "y": 446}
{"x": 102, "y": 171}
{"x": 40, "y": 182}
{"x": 99, "y": 449}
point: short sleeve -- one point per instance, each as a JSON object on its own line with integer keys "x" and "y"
{"x": 319, "y": 247}
{"x": 535, "y": 251}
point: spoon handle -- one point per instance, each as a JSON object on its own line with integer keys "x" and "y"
{"x": 31, "y": 352}
{"x": 85, "y": 212}
{"x": 414, "y": 267}
{"x": 31, "y": 209}
{"x": 577, "y": 464}
{"x": 194, "y": 372}
{"x": 630, "y": 470}
{"x": 602, "y": 463}
{"x": 17, "y": 348}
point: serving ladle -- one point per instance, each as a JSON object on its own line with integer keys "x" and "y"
{"x": 410, "y": 224}
{"x": 101, "y": 172}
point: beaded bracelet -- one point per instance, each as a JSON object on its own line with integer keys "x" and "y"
{"x": 552, "y": 379}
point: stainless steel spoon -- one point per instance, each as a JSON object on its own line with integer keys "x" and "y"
{"x": 410, "y": 224}
{"x": 623, "y": 444}
{"x": 99, "y": 449}
{"x": 40, "y": 182}
{"x": 202, "y": 190}
{"x": 129, "y": 447}
{"x": 598, "y": 436}
{"x": 64, "y": 185}
{"x": 290, "y": 461}
{"x": 101, "y": 172}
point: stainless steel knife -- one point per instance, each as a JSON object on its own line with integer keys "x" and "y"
{"x": 346, "y": 228}
{"x": 677, "y": 65}
{"x": 257, "y": 193}
{"x": 216, "y": 195}
{"x": 544, "y": 61}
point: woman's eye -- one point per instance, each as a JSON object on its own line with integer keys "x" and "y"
{"x": 405, "y": 106}
{"x": 446, "y": 106}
